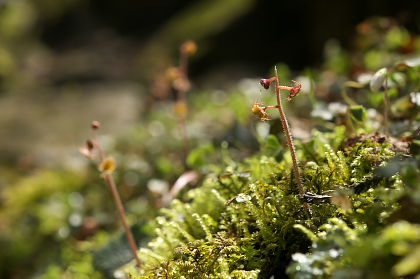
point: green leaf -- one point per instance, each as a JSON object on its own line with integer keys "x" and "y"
{"x": 272, "y": 146}
{"x": 307, "y": 232}
{"x": 410, "y": 264}
{"x": 198, "y": 156}
{"x": 357, "y": 113}
{"x": 117, "y": 252}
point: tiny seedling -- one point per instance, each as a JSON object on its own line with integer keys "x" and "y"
{"x": 107, "y": 165}
{"x": 379, "y": 79}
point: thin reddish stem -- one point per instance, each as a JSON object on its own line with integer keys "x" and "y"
{"x": 182, "y": 96}
{"x": 97, "y": 145}
{"x": 270, "y": 107}
{"x": 283, "y": 87}
{"x": 290, "y": 142}
{"x": 289, "y": 137}
{"x": 109, "y": 179}
{"x": 184, "y": 134}
{"x": 111, "y": 183}
{"x": 183, "y": 64}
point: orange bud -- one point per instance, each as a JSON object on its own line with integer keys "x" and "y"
{"x": 189, "y": 48}
{"x": 172, "y": 74}
{"x": 181, "y": 109}
{"x": 260, "y": 112}
{"x": 108, "y": 165}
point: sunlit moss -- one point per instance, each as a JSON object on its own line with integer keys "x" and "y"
{"x": 247, "y": 224}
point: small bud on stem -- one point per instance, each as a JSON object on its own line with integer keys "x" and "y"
{"x": 95, "y": 125}
{"x": 189, "y": 48}
{"x": 90, "y": 145}
{"x": 107, "y": 165}
{"x": 260, "y": 111}
{"x": 265, "y": 82}
{"x": 294, "y": 90}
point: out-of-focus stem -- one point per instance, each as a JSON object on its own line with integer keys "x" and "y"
{"x": 111, "y": 183}
{"x": 270, "y": 107}
{"x": 182, "y": 97}
{"x": 182, "y": 123}
{"x": 97, "y": 145}
{"x": 386, "y": 106}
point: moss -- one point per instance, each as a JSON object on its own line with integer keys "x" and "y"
{"x": 249, "y": 226}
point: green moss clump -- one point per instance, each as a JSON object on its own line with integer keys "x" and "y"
{"x": 246, "y": 220}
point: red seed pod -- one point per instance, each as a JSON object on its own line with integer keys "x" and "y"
{"x": 90, "y": 145}
{"x": 95, "y": 125}
{"x": 294, "y": 90}
{"x": 265, "y": 83}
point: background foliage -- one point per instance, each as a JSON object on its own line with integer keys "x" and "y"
{"x": 65, "y": 63}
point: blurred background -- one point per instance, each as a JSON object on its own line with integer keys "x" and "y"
{"x": 64, "y": 63}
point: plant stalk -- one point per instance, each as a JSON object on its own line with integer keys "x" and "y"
{"x": 182, "y": 96}
{"x": 386, "y": 106}
{"x": 291, "y": 144}
{"x": 108, "y": 178}
{"x": 289, "y": 137}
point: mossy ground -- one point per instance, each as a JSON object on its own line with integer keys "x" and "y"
{"x": 246, "y": 219}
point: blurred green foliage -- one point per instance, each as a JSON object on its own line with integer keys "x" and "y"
{"x": 243, "y": 219}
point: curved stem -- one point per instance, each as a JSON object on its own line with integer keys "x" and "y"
{"x": 111, "y": 183}
{"x": 108, "y": 178}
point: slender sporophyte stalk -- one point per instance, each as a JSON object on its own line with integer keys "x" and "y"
{"x": 107, "y": 165}
{"x": 260, "y": 111}
{"x": 181, "y": 83}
